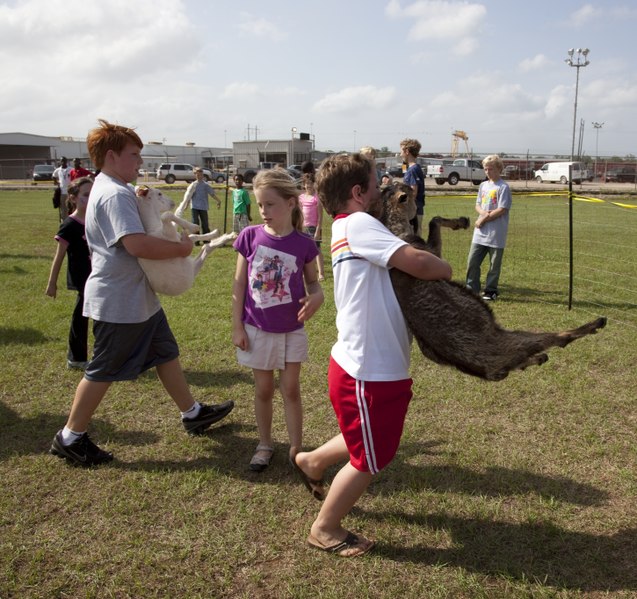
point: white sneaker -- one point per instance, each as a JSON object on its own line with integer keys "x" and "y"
{"x": 72, "y": 365}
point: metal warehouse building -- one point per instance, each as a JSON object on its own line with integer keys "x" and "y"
{"x": 20, "y": 152}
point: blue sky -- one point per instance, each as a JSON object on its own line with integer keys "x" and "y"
{"x": 350, "y": 72}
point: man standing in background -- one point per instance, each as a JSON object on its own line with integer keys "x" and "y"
{"x": 62, "y": 174}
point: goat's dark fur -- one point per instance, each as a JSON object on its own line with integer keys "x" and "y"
{"x": 451, "y": 324}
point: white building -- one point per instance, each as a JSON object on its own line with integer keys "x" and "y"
{"x": 19, "y": 152}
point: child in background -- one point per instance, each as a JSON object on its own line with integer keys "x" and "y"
{"x": 197, "y": 195}
{"x": 313, "y": 218}
{"x": 275, "y": 291}
{"x": 493, "y": 204}
{"x": 414, "y": 176}
{"x": 240, "y": 205}
{"x": 71, "y": 240}
{"x": 131, "y": 332}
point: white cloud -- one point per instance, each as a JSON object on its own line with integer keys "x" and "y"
{"x": 239, "y": 90}
{"x": 289, "y": 91}
{"x": 260, "y": 27}
{"x": 587, "y": 13}
{"x": 457, "y": 23}
{"x": 606, "y": 94}
{"x": 558, "y": 98}
{"x": 356, "y": 98}
{"x": 533, "y": 64}
{"x": 446, "y": 99}
{"x": 97, "y": 65}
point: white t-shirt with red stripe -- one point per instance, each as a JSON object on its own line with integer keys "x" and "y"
{"x": 373, "y": 341}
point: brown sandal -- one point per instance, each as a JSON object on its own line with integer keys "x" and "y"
{"x": 259, "y": 463}
{"x": 315, "y": 487}
{"x": 351, "y": 546}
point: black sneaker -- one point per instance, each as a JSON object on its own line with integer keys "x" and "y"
{"x": 207, "y": 415}
{"x": 82, "y": 452}
{"x": 489, "y": 297}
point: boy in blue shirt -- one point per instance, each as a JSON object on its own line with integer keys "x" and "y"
{"x": 415, "y": 178}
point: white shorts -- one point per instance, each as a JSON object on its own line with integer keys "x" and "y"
{"x": 271, "y": 351}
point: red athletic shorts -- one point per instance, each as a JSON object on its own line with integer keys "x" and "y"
{"x": 371, "y": 415}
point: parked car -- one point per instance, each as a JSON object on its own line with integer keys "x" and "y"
{"x": 216, "y": 176}
{"x": 625, "y": 174}
{"x": 522, "y": 172}
{"x": 396, "y": 170}
{"x": 294, "y": 172}
{"x": 179, "y": 171}
{"x": 43, "y": 172}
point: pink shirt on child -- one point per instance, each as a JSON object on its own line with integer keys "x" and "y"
{"x": 310, "y": 206}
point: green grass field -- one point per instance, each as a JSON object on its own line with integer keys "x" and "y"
{"x": 523, "y": 488}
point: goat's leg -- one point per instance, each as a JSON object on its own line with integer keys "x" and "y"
{"x": 590, "y": 328}
{"x": 210, "y": 247}
{"x": 180, "y": 222}
{"x": 533, "y": 360}
{"x": 534, "y": 345}
{"x": 434, "y": 240}
{"x": 205, "y": 236}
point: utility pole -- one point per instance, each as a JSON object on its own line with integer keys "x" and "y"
{"x": 580, "y": 61}
{"x": 597, "y": 126}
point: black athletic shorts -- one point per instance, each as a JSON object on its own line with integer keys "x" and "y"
{"x": 122, "y": 351}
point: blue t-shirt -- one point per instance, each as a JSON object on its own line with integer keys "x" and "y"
{"x": 200, "y": 195}
{"x": 414, "y": 175}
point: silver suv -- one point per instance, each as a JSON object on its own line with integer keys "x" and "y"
{"x": 178, "y": 171}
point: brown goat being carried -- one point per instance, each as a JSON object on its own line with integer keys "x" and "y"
{"x": 451, "y": 324}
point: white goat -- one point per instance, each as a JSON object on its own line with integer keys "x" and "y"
{"x": 172, "y": 276}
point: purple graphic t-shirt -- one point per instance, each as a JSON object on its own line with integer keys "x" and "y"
{"x": 275, "y": 277}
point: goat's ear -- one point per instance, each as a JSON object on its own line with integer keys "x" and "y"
{"x": 142, "y": 191}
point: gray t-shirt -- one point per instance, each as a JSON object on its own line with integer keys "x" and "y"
{"x": 491, "y": 196}
{"x": 117, "y": 290}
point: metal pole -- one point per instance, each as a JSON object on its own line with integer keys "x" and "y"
{"x": 575, "y": 113}
{"x": 597, "y": 126}
{"x": 577, "y": 63}
{"x": 570, "y": 236}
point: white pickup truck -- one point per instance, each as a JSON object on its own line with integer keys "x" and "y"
{"x": 461, "y": 169}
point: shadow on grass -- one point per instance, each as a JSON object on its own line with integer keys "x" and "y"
{"x": 26, "y": 436}
{"x": 537, "y": 552}
{"x": 527, "y": 295}
{"x": 16, "y": 270}
{"x": 218, "y": 378}
{"x": 22, "y": 257}
{"x": 24, "y": 336}
{"x": 493, "y": 481}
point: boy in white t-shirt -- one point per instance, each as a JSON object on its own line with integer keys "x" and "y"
{"x": 368, "y": 376}
{"x": 490, "y": 233}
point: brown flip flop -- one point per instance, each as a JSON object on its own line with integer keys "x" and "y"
{"x": 315, "y": 487}
{"x": 360, "y": 545}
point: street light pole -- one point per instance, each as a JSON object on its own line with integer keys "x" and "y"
{"x": 291, "y": 161}
{"x": 580, "y": 61}
{"x": 597, "y": 126}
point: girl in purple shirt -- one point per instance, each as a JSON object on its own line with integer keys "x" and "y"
{"x": 275, "y": 291}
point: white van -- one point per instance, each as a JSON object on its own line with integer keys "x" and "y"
{"x": 557, "y": 172}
